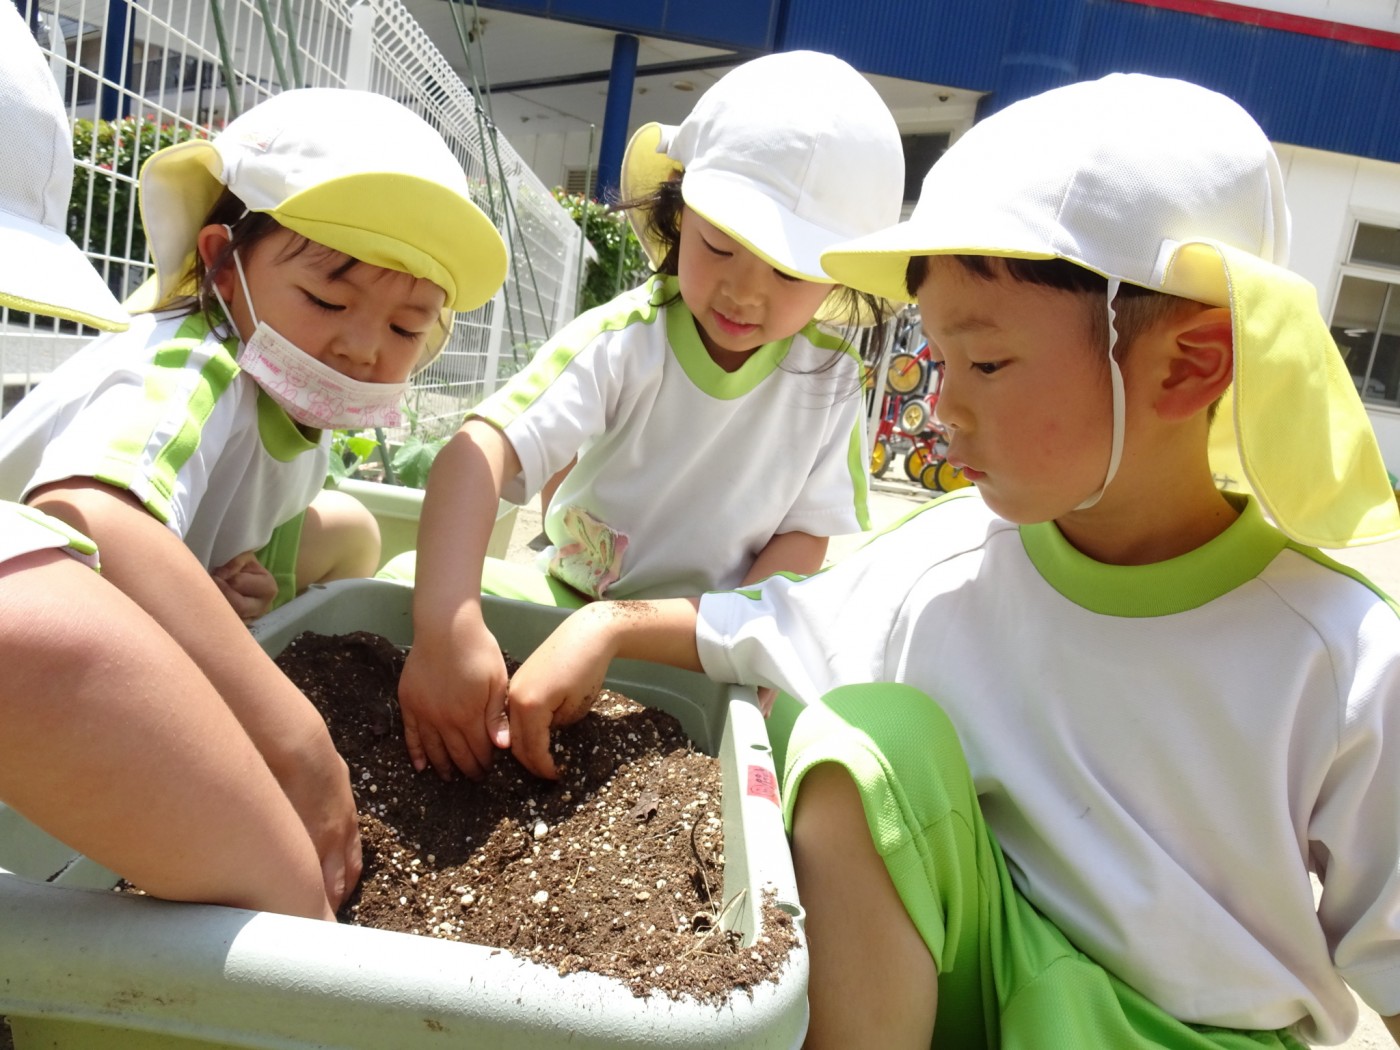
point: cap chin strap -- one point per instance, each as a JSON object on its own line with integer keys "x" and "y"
{"x": 1115, "y": 375}
{"x": 242, "y": 282}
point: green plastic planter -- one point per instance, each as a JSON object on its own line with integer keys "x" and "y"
{"x": 84, "y": 969}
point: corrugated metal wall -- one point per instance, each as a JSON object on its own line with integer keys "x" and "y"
{"x": 1307, "y": 90}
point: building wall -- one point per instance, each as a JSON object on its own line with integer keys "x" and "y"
{"x": 1328, "y": 193}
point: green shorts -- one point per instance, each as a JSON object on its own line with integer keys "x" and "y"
{"x": 279, "y": 557}
{"x": 504, "y": 579}
{"x": 1007, "y": 976}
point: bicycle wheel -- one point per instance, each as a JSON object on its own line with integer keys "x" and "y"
{"x": 950, "y": 477}
{"x": 914, "y": 463}
{"x": 928, "y": 477}
{"x": 880, "y": 458}
{"x": 905, "y": 375}
{"x": 913, "y": 417}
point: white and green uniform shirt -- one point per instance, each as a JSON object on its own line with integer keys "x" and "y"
{"x": 685, "y": 471}
{"x": 1164, "y": 751}
{"x": 24, "y": 530}
{"x": 163, "y": 411}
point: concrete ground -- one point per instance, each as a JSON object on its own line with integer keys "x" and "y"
{"x": 891, "y": 498}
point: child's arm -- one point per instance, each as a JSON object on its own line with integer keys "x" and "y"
{"x": 452, "y": 691}
{"x": 155, "y": 569}
{"x": 112, "y": 740}
{"x": 560, "y": 680}
{"x": 796, "y": 552}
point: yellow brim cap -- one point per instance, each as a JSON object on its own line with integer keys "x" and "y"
{"x": 352, "y": 170}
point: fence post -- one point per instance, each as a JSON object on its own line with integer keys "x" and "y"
{"x": 360, "y": 53}
{"x": 489, "y": 380}
{"x": 566, "y": 306}
{"x": 116, "y": 47}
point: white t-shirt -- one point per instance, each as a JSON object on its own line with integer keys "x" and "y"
{"x": 1163, "y": 751}
{"x": 685, "y": 471}
{"x": 163, "y": 411}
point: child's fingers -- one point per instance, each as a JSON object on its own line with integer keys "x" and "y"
{"x": 529, "y": 734}
{"x": 498, "y": 720}
{"x": 471, "y": 753}
{"x": 413, "y": 738}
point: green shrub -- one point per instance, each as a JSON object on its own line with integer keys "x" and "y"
{"x": 621, "y": 263}
{"x": 109, "y": 155}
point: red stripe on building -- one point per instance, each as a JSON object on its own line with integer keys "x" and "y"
{"x": 1279, "y": 20}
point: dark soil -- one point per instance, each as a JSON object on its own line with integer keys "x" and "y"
{"x": 616, "y": 868}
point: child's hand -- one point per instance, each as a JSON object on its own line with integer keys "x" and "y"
{"x": 249, "y": 588}
{"x": 557, "y": 685}
{"x": 317, "y": 781}
{"x": 452, "y": 694}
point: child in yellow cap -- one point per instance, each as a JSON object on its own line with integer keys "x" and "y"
{"x": 717, "y": 427}
{"x": 308, "y": 260}
{"x": 1121, "y": 715}
{"x": 111, "y": 739}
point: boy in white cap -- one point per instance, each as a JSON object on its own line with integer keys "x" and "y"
{"x": 136, "y": 774}
{"x": 717, "y": 426}
{"x": 1123, "y": 715}
{"x": 308, "y": 259}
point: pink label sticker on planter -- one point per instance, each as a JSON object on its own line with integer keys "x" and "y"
{"x": 763, "y": 784}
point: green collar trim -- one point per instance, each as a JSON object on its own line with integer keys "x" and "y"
{"x": 283, "y": 440}
{"x": 1164, "y": 588}
{"x": 684, "y": 337}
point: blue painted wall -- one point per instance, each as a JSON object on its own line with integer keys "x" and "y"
{"x": 1303, "y": 90}
{"x": 739, "y": 24}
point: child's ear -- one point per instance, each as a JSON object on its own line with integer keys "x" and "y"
{"x": 210, "y": 243}
{"x": 1201, "y": 362}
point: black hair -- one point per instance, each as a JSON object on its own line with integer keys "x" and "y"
{"x": 1136, "y": 309}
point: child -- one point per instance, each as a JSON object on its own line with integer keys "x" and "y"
{"x": 307, "y": 261}
{"x": 1165, "y": 708}
{"x": 136, "y": 776}
{"x": 717, "y": 429}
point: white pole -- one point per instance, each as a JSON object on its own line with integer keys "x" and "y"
{"x": 358, "y": 56}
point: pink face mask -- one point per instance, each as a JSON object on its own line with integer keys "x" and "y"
{"x": 310, "y": 391}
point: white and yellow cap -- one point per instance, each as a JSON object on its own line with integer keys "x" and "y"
{"x": 789, "y": 154}
{"x": 41, "y": 270}
{"x": 352, "y": 170}
{"x": 1175, "y": 188}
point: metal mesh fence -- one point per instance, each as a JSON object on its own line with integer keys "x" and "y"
{"x": 139, "y": 74}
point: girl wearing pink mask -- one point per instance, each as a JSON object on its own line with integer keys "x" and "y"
{"x": 308, "y": 259}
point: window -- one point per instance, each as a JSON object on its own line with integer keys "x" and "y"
{"x": 576, "y": 180}
{"x": 1366, "y": 317}
{"x": 920, "y": 151}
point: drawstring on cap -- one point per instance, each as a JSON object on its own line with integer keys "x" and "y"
{"x": 1115, "y": 376}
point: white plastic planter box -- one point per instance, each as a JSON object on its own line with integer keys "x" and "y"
{"x": 82, "y": 969}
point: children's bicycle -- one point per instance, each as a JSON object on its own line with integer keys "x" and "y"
{"x": 908, "y": 415}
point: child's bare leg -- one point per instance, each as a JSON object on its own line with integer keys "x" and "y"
{"x": 113, "y": 741}
{"x": 339, "y": 540}
{"x": 872, "y": 983}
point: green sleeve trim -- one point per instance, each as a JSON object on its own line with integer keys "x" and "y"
{"x": 170, "y": 361}
{"x": 858, "y": 465}
{"x": 639, "y": 306}
{"x": 1346, "y": 570}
